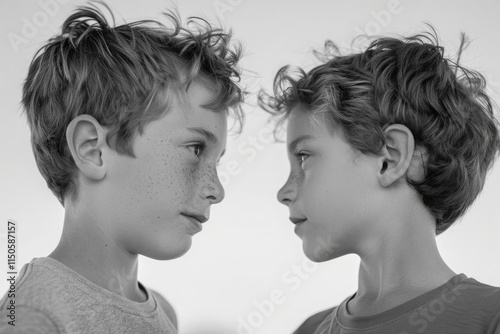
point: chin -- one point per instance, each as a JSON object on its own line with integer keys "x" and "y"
{"x": 318, "y": 252}
{"x": 171, "y": 251}
{"x": 316, "y": 256}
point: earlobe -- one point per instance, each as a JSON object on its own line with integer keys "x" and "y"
{"x": 86, "y": 139}
{"x": 396, "y": 155}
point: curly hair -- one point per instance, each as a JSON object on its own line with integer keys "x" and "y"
{"x": 123, "y": 76}
{"x": 403, "y": 81}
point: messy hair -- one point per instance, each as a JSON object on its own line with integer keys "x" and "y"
{"x": 124, "y": 77}
{"x": 403, "y": 81}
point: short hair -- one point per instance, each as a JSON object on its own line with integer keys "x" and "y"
{"x": 121, "y": 76}
{"x": 403, "y": 81}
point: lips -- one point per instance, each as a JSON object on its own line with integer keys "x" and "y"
{"x": 200, "y": 218}
{"x": 297, "y": 220}
{"x": 195, "y": 222}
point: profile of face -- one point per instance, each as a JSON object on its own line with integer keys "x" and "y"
{"x": 159, "y": 199}
{"x": 331, "y": 191}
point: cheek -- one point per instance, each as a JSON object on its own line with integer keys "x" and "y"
{"x": 330, "y": 198}
{"x": 334, "y": 183}
{"x": 318, "y": 192}
{"x": 180, "y": 180}
{"x": 162, "y": 182}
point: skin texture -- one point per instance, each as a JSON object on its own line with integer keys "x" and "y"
{"x": 362, "y": 204}
{"x": 134, "y": 205}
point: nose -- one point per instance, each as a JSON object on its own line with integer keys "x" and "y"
{"x": 213, "y": 190}
{"x": 288, "y": 193}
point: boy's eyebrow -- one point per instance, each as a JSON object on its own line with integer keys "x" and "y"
{"x": 209, "y": 135}
{"x": 296, "y": 141}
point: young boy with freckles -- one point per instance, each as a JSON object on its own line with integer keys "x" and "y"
{"x": 128, "y": 124}
{"x": 389, "y": 147}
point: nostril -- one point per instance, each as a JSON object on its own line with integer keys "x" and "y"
{"x": 283, "y": 199}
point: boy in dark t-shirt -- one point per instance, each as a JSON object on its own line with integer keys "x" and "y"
{"x": 388, "y": 148}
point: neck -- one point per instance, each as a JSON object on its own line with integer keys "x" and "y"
{"x": 88, "y": 249}
{"x": 398, "y": 266}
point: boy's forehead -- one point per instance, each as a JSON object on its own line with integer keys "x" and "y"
{"x": 195, "y": 95}
{"x": 304, "y": 126}
{"x": 302, "y": 123}
{"x": 200, "y": 93}
{"x": 191, "y": 104}
{"x": 186, "y": 116}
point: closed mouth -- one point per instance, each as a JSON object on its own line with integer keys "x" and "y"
{"x": 194, "y": 222}
{"x": 200, "y": 218}
{"x": 296, "y": 220}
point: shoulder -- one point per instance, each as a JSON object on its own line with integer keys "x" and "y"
{"x": 313, "y": 322}
{"x": 473, "y": 302}
{"x": 495, "y": 325}
{"x": 35, "y": 285}
{"x": 484, "y": 295}
{"x": 166, "y": 307}
{"x": 29, "y": 285}
{"x": 28, "y": 320}
{"x": 39, "y": 283}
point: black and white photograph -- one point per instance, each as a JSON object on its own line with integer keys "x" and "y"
{"x": 250, "y": 167}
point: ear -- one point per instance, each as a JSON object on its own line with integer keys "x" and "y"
{"x": 86, "y": 139}
{"x": 396, "y": 155}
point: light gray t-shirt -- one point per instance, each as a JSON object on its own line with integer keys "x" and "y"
{"x": 461, "y": 306}
{"x": 52, "y": 298}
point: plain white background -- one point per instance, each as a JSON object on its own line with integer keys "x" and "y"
{"x": 248, "y": 252}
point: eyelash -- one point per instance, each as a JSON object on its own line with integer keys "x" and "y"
{"x": 300, "y": 155}
{"x": 201, "y": 147}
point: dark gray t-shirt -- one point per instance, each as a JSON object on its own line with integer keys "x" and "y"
{"x": 52, "y": 298}
{"x": 461, "y": 306}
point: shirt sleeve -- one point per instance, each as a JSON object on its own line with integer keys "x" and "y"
{"x": 28, "y": 320}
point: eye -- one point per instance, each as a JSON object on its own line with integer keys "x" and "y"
{"x": 301, "y": 157}
{"x": 197, "y": 149}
